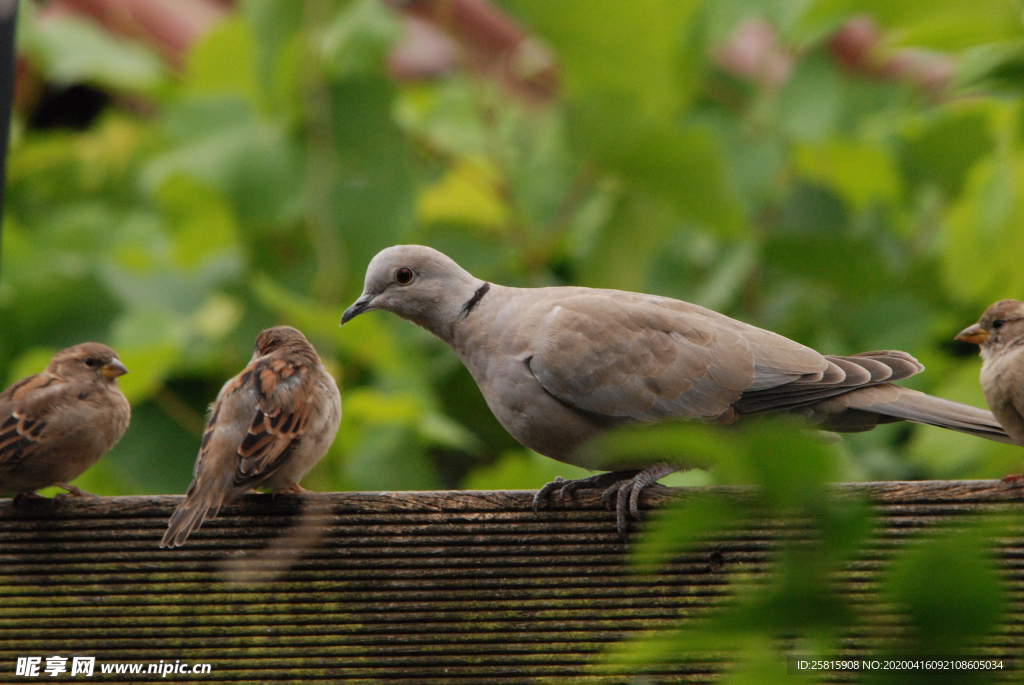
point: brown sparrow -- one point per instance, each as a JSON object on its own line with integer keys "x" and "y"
{"x": 268, "y": 427}
{"x": 56, "y": 424}
{"x": 1000, "y": 335}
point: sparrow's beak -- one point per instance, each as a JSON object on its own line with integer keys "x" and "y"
{"x": 113, "y": 369}
{"x": 973, "y": 334}
{"x": 357, "y": 308}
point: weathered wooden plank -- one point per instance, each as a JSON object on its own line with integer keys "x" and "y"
{"x": 423, "y": 587}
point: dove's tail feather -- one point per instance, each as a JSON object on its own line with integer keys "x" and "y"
{"x": 881, "y": 405}
{"x": 198, "y": 506}
{"x": 935, "y": 411}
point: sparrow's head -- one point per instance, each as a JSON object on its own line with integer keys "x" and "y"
{"x": 89, "y": 362}
{"x": 280, "y": 338}
{"x": 419, "y": 284}
{"x": 1001, "y": 325}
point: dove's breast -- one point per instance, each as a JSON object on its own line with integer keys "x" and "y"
{"x": 496, "y": 351}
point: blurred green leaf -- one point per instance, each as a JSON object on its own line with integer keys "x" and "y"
{"x": 149, "y": 343}
{"x": 952, "y": 608}
{"x": 811, "y": 101}
{"x": 983, "y": 236}
{"x": 74, "y": 50}
{"x": 252, "y": 162}
{"x": 30, "y": 362}
{"x": 388, "y": 457}
{"x": 203, "y": 224}
{"x": 681, "y": 166}
{"x": 860, "y": 172}
{"x": 356, "y": 42}
{"x": 444, "y": 116}
{"x": 942, "y": 24}
{"x": 942, "y": 148}
{"x": 620, "y": 253}
{"x": 680, "y": 527}
{"x": 222, "y": 62}
{"x": 791, "y": 465}
{"x": 629, "y": 51}
{"x": 520, "y": 470}
{"x": 466, "y": 194}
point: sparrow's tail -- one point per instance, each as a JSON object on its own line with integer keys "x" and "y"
{"x": 200, "y": 504}
{"x": 886, "y": 403}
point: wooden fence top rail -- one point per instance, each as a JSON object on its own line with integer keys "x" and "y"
{"x": 390, "y": 587}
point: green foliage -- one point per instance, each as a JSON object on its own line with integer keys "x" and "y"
{"x": 944, "y": 588}
{"x": 73, "y": 50}
{"x": 850, "y": 204}
{"x": 951, "y": 608}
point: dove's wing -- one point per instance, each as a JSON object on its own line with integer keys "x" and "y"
{"x": 623, "y": 355}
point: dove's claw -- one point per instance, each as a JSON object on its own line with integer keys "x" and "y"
{"x": 622, "y": 491}
{"x": 542, "y": 494}
{"x": 568, "y": 488}
{"x": 627, "y": 493}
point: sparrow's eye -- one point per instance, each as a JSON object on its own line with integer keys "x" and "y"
{"x": 404, "y": 275}
{"x": 89, "y": 361}
{"x": 997, "y": 324}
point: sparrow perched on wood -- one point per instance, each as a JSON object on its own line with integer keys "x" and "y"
{"x": 268, "y": 427}
{"x": 1000, "y": 335}
{"x": 56, "y": 424}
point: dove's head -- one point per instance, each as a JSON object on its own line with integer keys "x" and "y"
{"x": 1001, "y": 325}
{"x": 87, "y": 362}
{"x": 419, "y": 284}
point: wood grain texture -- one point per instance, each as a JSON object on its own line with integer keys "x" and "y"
{"x": 404, "y": 587}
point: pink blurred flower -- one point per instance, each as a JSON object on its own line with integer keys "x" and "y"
{"x": 857, "y": 47}
{"x": 753, "y": 53}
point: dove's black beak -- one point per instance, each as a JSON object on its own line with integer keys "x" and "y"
{"x": 357, "y": 308}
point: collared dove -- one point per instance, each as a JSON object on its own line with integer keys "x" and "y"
{"x": 1000, "y": 335}
{"x": 559, "y": 365}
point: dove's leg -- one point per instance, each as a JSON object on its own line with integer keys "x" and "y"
{"x": 627, "y": 492}
{"x": 73, "y": 490}
{"x": 566, "y": 488}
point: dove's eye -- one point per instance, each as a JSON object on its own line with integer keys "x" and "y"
{"x": 997, "y": 324}
{"x": 404, "y": 276}
{"x": 89, "y": 361}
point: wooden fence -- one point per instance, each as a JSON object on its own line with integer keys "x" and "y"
{"x": 400, "y": 587}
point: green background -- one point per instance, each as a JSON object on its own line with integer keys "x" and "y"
{"x": 852, "y": 206}
{"x": 849, "y": 209}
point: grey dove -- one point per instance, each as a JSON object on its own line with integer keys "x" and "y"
{"x": 559, "y": 365}
{"x": 1000, "y": 335}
